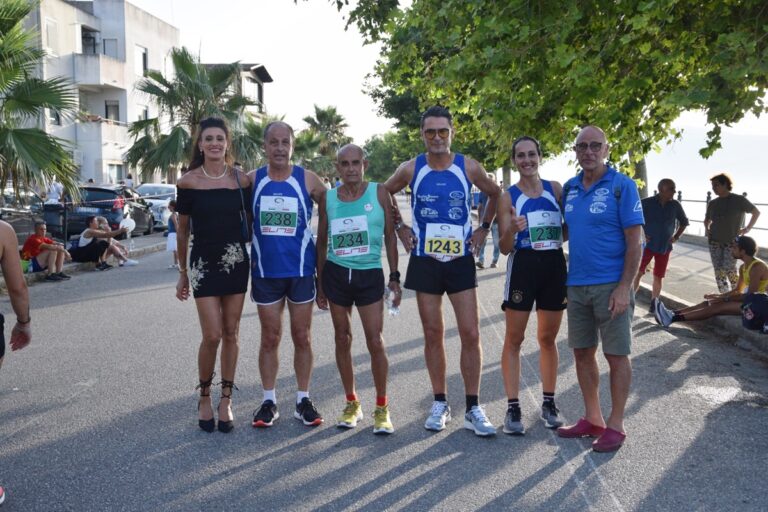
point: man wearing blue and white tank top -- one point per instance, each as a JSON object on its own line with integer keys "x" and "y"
{"x": 283, "y": 259}
{"x": 442, "y": 245}
{"x": 531, "y": 229}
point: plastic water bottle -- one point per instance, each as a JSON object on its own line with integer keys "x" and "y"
{"x": 390, "y": 300}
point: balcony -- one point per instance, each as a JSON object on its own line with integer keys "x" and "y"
{"x": 102, "y": 138}
{"x": 99, "y": 70}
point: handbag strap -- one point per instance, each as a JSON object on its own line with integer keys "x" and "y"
{"x": 242, "y": 200}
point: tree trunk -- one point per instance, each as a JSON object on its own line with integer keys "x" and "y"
{"x": 641, "y": 173}
{"x": 506, "y": 175}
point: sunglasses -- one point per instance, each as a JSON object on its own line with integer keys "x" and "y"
{"x": 581, "y": 147}
{"x": 430, "y": 133}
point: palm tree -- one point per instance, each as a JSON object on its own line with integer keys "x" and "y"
{"x": 329, "y": 125}
{"x": 197, "y": 91}
{"x": 27, "y": 153}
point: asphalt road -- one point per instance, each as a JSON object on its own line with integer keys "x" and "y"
{"x": 99, "y": 414}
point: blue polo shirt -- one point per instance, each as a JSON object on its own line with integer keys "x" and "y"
{"x": 661, "y": 222}
{"x": 596, "y": 222}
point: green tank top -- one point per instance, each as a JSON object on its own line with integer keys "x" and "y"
{"x": 355, "y": 229}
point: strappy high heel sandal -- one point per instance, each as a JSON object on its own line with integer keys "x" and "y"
{"x": 205, "y": 390}
{"x": 226, "y": 426}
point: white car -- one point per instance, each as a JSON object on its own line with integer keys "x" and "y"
{"x": 157, "y": 196}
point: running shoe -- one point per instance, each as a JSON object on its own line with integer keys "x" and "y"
{"x": 652, "y": 307}
{"x": 103, "y": 266}
{"x": 480, "y": 265}
{"x": 663, "y": 314}
{"x": 52, "y": 277}
{"x": 494, "y": 265}
{"x": 477, "y": 421}
{"x": 351, "y": 414}
{"x": 306, "y": 412}
{"x": 512, "y": 424}
{"x": 266, "y": 415}
{"x": 129, "y": 263}
{"x": 381, "y": 421}
{"x": 2, "y": 495}
{"x": 549, "y": 414}
{"x": 64, "y": 276}
{"x": 438, "y": 416}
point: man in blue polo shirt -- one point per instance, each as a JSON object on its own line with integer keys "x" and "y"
{"x": 604, "y": 216}
{"x": 665, "y": 222}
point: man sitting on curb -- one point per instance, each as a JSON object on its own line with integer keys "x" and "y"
{"x": 45, "y": 254}
{"x": 753, "y": 275}
{"x": 94, "y": 243}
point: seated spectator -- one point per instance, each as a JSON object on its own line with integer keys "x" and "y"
{"x": 753, "y": 278}
{"x": 45, "y": 255}
{"x": 116, "y": 249}
{"x": 94, "y": 243}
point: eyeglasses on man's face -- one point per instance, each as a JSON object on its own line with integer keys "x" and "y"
{"x": 430, "y": 133}
{"x": 581, "y": 147}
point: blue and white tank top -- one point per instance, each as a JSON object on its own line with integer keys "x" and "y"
{"x": 282, "y": 243}
{"x": 545, "y": 221}
{"x": 441, "y": 209}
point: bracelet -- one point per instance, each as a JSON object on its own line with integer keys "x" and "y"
{"x": 23, "y": 323}
{"x": 182, "y": 270}
{"x": 486, "y": 226}
{"x": 398, "y": 226}
{"x": 394, "y": 277}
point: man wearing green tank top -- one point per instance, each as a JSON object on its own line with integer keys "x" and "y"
{"x": 356, "y": 218}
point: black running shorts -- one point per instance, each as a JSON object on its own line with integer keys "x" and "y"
{"x": 426, "y": 274}
{"x": 536, "y": 276}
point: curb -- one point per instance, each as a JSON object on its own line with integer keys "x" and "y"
{"x": 727, "y": 325}
{"x": 76, "y": 268}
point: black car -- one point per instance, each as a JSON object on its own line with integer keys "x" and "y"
{"x": 113, "y": 202}
{"x": 21, "y": 211}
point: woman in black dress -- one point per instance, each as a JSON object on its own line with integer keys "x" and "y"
{"x": 211, "y": 199}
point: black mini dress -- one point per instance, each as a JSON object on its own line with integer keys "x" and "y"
{"x": 218, "y": 261}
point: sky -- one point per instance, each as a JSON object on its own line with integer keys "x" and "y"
{"x": 313, "y": 60}
{"x": 303, "y": 45}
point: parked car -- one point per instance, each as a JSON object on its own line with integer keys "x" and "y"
{"x": 157, "y": 196}
{"x": 22, "y": 211}
{"x": 113, "y": 202}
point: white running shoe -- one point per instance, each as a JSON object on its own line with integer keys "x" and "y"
{"x": 439, "y": 415}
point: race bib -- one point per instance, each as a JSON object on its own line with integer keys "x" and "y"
{"x": 349, "y": 236}
{"x": 545, "y": 229}
{"x": 444, "y": 242}
{"x": 278, "y": 215}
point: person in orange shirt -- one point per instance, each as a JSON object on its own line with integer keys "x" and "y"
{"x": 45, "y": 254}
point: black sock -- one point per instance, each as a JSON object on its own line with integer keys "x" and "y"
{"x": 472, "y": 400}
{"x": 440, "y": 397}
{"x": 549, "y": 397}
{"x": 677, "y": 317}
{"x": 513, "y": 403}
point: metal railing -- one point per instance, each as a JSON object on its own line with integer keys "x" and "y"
{"x": 709, "y": 198}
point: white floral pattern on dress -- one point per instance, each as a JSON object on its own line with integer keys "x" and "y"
{"x": 233, "y": 254}
{"x": 197, "y": 272}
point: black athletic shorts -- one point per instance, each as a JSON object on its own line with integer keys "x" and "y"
{"x": 536, "y": 276}
{"x": 426, "y": 274}
{"x": 345, "y": 286}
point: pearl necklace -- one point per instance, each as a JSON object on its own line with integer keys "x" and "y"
{"x": 214, "y": 177}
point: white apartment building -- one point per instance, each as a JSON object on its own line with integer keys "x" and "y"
{"x": 103, "y": 47}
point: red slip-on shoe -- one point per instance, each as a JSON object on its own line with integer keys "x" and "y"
{"x": 610, "y": 441}
{"x": 582, "y": 428}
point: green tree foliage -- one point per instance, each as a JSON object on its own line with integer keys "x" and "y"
{"x": 544, "y": 68}
{"x": 27, "y": 153}
{"x": 196, "y": 91}
{"x": 386, "y": 152}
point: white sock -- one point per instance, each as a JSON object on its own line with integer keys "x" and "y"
{"x": 269, "y": 394}
{"x": 300, "y": 395}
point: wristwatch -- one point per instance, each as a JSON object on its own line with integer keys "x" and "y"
{"x": 486, "y": 225}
